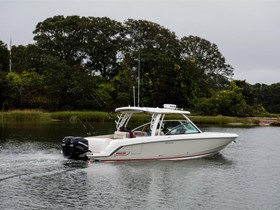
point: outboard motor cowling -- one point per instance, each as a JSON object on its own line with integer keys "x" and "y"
{"x": 75, "y": 148}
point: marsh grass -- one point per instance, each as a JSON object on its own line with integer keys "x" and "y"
{"x": 25, "y": 115}
{"x": 76, "y": 116}
{"x": 96, "y": 116}
{"x": 222, "y": 120}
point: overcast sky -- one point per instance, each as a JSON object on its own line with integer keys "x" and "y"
{"x": 247, "y": 32}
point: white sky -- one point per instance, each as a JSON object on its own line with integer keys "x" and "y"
{"x": 247, "y": 32}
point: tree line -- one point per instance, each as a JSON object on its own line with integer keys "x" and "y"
{"x": 92, "y": 63}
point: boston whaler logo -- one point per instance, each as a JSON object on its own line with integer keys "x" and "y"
{"x": 121, "y": 153}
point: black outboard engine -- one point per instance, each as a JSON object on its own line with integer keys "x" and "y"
{"x": 75, "y": 148}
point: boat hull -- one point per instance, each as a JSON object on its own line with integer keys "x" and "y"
{"x": 180, "y": 147}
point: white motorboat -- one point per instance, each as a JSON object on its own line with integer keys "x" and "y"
{"x": 168, "y": 135}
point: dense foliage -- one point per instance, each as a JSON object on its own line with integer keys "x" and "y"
{"x": 93, "y": 63}
{"x": 4, "y": 57}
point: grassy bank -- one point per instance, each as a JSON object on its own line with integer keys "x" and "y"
{"x": 75, "y": 116}
{"x": 40, "y": 116}
{"x": 90, "y": 116}
{"x": 25, "y": 116}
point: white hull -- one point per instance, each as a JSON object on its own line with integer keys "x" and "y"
{"x": 158, "y": 139}
{"x": 180, "y": 147}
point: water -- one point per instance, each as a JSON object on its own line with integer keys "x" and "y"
{"x": 34, "y": 175}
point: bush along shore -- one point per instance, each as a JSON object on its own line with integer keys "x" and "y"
{"x": 96, "y": 117}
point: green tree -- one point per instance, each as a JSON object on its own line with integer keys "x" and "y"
{"x": 4, "y": 57}
{"x": 105, "y": 43}
{"x": 148, "y": 36}
{"x": 67, "y": 87}
{"x": 58, "y": 82}
{"x": 25, "y": 58}
{"x": 190, "y": 84}
{"x": 270, "y": 96}
{"x": 158, "y": 50}
{"x": 123, "y": 84}
{"x": 228, "y": 102}
{"x": 4, "y": 92}
{"x": 26, "y": 90}
{"x": 247, "y": 92}
{"x": 208, "y": 59}
{"x": 62, "y": 37}
{"x": 82, "y": 58}
{"x": 96, "y": 44}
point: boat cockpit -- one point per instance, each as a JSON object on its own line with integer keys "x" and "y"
{"x": 158, "y": 125}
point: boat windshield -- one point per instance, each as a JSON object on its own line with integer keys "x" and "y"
{"x": 183, "y": 128}
{"x": 171, "y": 127}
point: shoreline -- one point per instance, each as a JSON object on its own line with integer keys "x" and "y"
{"x": 267, "y": 121}
{"x": 97, "y": 116}
{"x": 238, "y": 121}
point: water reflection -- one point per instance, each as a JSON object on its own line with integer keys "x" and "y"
{"x": 153, "y": 184}
{"x": 219, "y": 159}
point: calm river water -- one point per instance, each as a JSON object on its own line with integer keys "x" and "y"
{"x": 34, "y": 175}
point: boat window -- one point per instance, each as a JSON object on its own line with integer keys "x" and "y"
{"x": 185, "y": 128}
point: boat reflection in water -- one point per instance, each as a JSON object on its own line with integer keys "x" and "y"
{"x": 162, "y": 138}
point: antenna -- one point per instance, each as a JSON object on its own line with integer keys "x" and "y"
{"x": 134, "y": 95}
{"x": 10, "y": 64}
{"x": 138, "y": 79}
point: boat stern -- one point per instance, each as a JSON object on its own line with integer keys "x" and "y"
{"x": 75, "y": 148}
